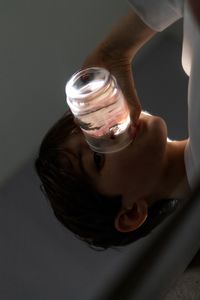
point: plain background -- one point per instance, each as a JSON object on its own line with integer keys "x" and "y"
{"x": 42, "y": 44}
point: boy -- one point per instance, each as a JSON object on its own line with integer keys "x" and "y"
{"x": 115, "y": 199}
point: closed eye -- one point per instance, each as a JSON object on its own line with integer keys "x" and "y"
{"x": 99, "y": 159}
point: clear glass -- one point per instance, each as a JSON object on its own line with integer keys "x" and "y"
{"x": 98, "y": 104}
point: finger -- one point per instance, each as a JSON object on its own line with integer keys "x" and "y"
{"x": 134, "y": 107}
{"x": 126, "y": 83}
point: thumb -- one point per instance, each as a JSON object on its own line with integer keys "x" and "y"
{"x": 126, "y": 83}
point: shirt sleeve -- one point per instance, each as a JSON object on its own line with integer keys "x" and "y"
{"x": 158, "y": 14}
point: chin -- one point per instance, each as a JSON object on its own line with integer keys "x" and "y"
{"x": 153, "y": 121}
{"x": 154, "y": 130}
{"x": 156, "y": 122}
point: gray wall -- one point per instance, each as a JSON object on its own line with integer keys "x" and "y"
{"x": 42, "y": 43}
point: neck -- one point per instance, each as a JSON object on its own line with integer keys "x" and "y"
{"x": 173, "y": 180}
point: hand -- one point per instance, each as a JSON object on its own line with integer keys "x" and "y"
{"x": 118, "y": 65}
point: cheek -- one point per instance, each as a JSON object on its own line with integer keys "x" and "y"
{"x": 138, "y": 165}
{"x": 115, "y": 174}
{"x": 120, "y": 170}
{"x": 157, "y": 145}
{"x": 151, "y": 152}
{"x": 145, "y": 157}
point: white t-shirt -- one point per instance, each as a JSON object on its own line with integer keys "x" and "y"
{"x": 159, "y": 14}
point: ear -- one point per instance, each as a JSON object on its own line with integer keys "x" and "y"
{"x": 132, "y": 217}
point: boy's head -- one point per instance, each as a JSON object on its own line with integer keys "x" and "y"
{"x": 106, "y": 200}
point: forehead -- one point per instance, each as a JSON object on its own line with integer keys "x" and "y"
{"x": 74, "y": 147}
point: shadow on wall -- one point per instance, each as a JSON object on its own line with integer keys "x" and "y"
{"x": 39, "y": 259}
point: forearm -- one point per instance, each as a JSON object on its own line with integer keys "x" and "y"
{"x": 116, "y": 52}
{"x": 127, "y": 36}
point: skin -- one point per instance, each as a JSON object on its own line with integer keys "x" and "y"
{"x": 116, "y": 53}
{"x": 152, "y": 167}
{"x": 146, "y": 165}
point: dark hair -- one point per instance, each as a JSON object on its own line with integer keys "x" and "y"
{"x": 74, "y": 200}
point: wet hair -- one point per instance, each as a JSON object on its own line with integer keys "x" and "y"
{"x": 76, "y": 203}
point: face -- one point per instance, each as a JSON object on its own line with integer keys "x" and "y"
{"x": 134, "y": 170}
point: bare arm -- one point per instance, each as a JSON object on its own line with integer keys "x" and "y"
{"x": 116, "y": 53}
{"x": 127, "y": 36}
